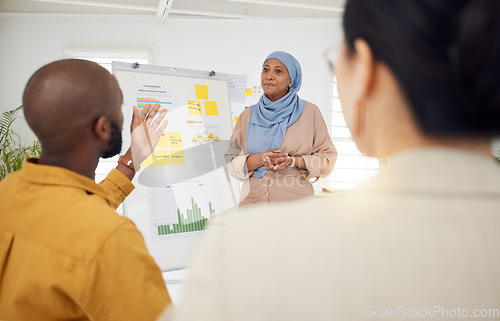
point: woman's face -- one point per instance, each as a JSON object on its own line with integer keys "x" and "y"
{"x": 275, "y": 80}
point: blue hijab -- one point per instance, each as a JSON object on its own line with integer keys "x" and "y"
{"x": 269, "y": 121}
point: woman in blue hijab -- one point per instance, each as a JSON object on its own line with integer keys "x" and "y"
{"x": 280, "y": 144}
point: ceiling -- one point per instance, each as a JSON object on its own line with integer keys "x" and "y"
{"x": 164, "y": 9}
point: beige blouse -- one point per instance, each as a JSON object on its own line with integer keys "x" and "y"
{"x": 307, "y": 137}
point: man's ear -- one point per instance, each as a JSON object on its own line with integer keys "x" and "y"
{"x": 365, "y": 73}
{"x": 102, "y": 128}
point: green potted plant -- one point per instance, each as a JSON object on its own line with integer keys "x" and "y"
{"x": 12, "y": 152}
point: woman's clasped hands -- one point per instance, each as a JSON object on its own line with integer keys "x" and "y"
{"x": 275, "y": 160}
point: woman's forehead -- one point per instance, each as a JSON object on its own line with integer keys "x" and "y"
{"x": 274, "y": 63}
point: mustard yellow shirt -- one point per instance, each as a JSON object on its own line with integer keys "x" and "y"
{"x": 66, "y": 255}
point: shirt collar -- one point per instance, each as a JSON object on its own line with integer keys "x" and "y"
{"x": 59, "y": 176}
{"x": 440, "y": 170}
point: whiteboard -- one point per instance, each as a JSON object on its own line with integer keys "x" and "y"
{"x": 184, "y": 184}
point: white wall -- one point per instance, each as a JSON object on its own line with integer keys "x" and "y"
{"x": 29, "y": 41}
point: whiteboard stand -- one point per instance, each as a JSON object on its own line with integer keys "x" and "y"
{"x": 182, "y": 173}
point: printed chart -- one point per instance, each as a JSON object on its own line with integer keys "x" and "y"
{"x": 165, "y": 95}
{"x": 165, "y": 103}
{"x": 182, "y": 208}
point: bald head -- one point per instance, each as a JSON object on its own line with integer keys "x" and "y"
{"x": 63, "y": 99}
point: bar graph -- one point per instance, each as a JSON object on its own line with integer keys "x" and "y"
{"x": 182, "y": 208}
{"x": 191, "y": 222}
{"x": 143, "y": 101}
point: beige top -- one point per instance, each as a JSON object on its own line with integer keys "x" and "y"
{"x": 307, "y": 137}
{"x": 425, "y": 236}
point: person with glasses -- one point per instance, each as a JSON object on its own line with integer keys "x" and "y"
{"x": 419, "y": 83}
{"x": 281, "y": 144}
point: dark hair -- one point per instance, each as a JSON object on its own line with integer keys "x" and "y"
{"x": 445, "y": 55}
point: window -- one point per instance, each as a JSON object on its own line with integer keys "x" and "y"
{"x": 104, "y": 56}
{"x": 352, "y": 166}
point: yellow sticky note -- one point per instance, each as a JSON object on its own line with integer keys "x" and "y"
{"x": 194, "y": 108}
{"x": 162, "y": 157}
{"x": 175, "y": 140}
{"x": 211, "y": 108}
{"x": 201, "y": 91}
{"x": 163, "y": 142}
{"x": 248, "y": 92}
{"x": 236, "y": 119}
{"x": 148, "y": 161}
{"x": 177, "y": 157}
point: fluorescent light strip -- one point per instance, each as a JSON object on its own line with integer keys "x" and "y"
{"x": 209, "y": 13}
{"x": 102, "y": 4}
{"x": 146, "y": 8}
{"x": 293, "y": 5}
{"x": 163, "y": 10}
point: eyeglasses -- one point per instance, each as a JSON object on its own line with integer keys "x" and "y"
{"x": 331, "y": 56}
